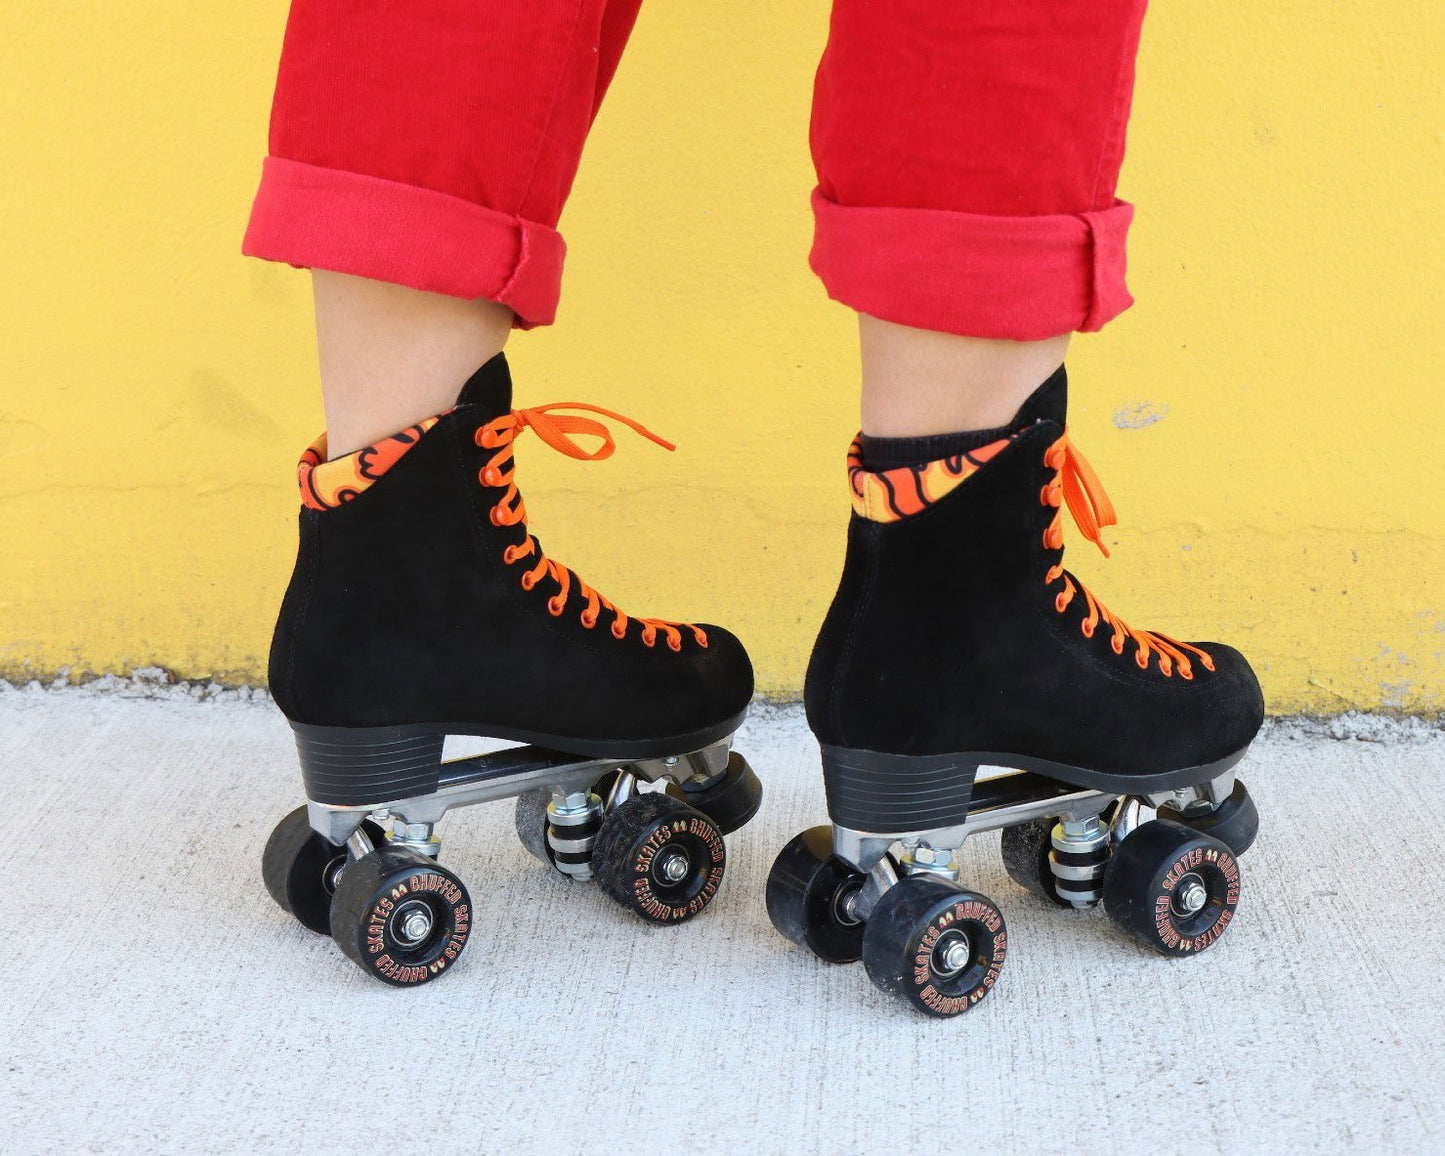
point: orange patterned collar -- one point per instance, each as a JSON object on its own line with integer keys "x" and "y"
{"x": 328, "y": 484}
{"x": 892, "y": 495}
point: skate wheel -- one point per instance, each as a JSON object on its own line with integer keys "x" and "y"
{"x": 531, "y": 820}
{"x": 729, "y": 802}
{"x": 1025, "y": 852}
{"x": 1171, "y": 888}
{"x": 1235, "y": 822}
{"x": 810, "y": 895}
{"x": 301, "y": 869}
{"x": 659, "y": 857}
{"x": 934, "y": 945}
{"x": 401, "y": 916}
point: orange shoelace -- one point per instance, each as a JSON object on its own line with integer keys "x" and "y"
{"x": 556, "y": 430}
{"x": 1076, "y": 484}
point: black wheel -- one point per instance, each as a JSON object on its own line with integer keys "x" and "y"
{"x": 530, "y": 817}
{"x": 301, "y": 869}
{"x": 935, "y": 946}
{"x": 731, "y": 801}
{"x": 1172, "y": 888}
{"x": 810, "y": 895}
{"x": 531, "y": 820}
{"x": 1235, "y": 822}
{"x": 401, "y": 916}
{"x": 658, "y": 857}
{"x": 1025, "y": 852}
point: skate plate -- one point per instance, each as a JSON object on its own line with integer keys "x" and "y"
{"x": 505, "y": 774}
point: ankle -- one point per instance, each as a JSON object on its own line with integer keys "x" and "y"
{"x": 918, "y": 383}
{"x": 391, "y": 356}
{"x": 879, "y": 454}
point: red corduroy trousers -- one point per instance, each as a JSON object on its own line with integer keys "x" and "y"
{"x": 967, "y": 153}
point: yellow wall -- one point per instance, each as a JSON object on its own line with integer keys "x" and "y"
{"x": 1288, "y": 166}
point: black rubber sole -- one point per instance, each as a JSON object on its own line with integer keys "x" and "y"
{"x": 873, "y": 791}
{"x": 357, "y": 766}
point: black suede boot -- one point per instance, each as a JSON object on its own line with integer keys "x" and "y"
{"x": 424, "y": 602}
{"x": 422, "y": 606}
{"x": 957, "y": 640}
{"x": 957, "y": 632}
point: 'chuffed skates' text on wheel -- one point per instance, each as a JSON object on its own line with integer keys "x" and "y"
{"x": 421, "y": 606}
{"x": 958, "y": 643}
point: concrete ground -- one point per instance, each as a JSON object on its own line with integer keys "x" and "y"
{"x": 156, "y": 1000}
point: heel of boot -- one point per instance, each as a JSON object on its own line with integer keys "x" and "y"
{"x": 870, "y": 791}
{"x": 359, "y": 766}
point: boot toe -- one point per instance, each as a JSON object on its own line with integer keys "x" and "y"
{"x": 1237, "y": 703}
{"x": 727, "y": 671}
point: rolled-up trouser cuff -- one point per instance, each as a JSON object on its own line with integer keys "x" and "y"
{"x": 322, "y": 218}
{"x": 1024, "y": 278}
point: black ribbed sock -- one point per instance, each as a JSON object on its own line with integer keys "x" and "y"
{"x": 893, "y": 453}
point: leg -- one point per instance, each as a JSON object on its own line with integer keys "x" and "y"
{"x": 967, "y": 160}
{"x": 966, "y": 157}
{"x": 429, "y": 217}
{"x": 966, "y": 173}
{"x": 420, "y": 157}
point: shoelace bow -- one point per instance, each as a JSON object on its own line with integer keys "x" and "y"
{"x": 1076, "y": 484}
{"x": 557, "y": 430}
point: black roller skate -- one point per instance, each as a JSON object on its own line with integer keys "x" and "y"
{"x": 957, "y": 641}
{"x": 422, "y": 607}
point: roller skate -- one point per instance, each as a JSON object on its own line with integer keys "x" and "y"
{"x": 964, "y": 681}
{"x": 421, "y": 607}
